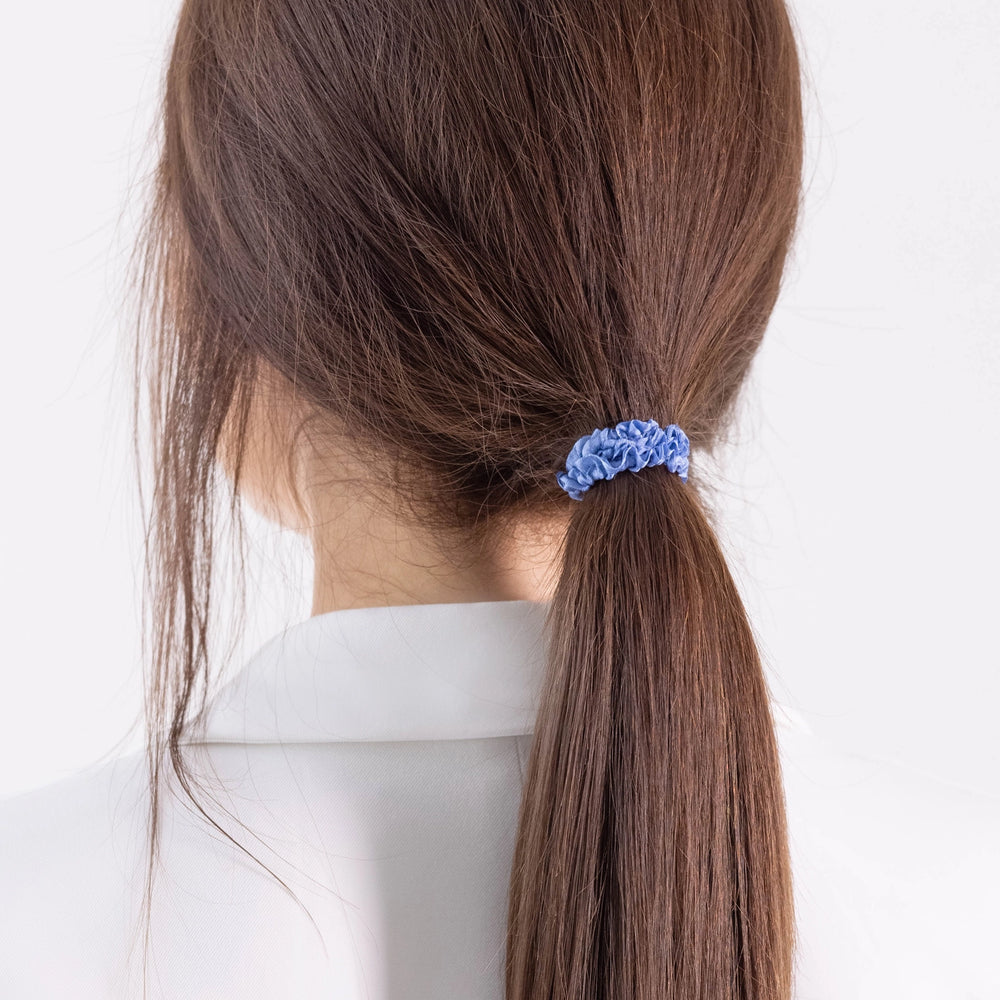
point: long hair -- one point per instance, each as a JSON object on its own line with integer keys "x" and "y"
{"x": 466, "y": 233}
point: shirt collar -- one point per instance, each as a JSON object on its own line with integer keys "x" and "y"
{"x": 408, "y": 672}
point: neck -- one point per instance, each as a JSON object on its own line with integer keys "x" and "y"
{"x": 367, "y": 554}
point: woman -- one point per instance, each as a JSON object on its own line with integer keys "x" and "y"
{"x": 462, "y": 291}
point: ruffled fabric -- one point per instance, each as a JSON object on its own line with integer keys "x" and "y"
{"x": 629, "y": 446}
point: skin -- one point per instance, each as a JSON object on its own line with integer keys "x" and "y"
{"x": 367, "y": 551}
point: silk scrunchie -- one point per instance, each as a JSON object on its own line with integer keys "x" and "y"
{"x": 629, "y": 446}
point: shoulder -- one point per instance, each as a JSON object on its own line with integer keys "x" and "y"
{"x": 69, "y": 851}
{"x": 896, "y": 875}
{"x": 74, "y": 857}
{"x": 74, "y": 827}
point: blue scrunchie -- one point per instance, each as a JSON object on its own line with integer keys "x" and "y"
{"x": 631, "y": 445}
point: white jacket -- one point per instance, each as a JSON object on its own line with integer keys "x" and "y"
{"x": 376, "y": 757}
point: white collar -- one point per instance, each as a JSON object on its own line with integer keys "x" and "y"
{"x": 409, "y": 672}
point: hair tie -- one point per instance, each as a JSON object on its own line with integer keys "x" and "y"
{"x": 631, "y": 445}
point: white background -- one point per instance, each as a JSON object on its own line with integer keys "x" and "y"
{"x": 859, "y": 495}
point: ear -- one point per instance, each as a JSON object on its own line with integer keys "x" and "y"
{"x": 270, "y": 466}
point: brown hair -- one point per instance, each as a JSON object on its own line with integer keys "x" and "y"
{"x": 471, "y": 231}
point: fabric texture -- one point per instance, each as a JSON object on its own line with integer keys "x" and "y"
{"x": 373, "y": 760}
{"x": 629, "y": 446}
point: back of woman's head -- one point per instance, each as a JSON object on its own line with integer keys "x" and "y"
{"x": 467, "y": 233}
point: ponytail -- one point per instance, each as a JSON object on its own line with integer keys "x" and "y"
{"x": 651, "y": 860}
